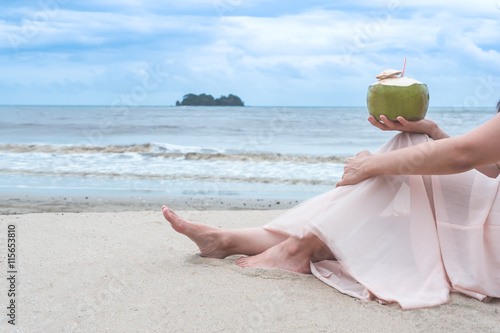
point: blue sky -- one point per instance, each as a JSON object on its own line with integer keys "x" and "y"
{"x": 270, "y": 53}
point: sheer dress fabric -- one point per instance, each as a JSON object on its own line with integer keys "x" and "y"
{"x": 406, "y": 239}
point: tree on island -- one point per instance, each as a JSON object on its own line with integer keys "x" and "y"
{"x": 209, "y": 100}
{"x": 230, "y": 100}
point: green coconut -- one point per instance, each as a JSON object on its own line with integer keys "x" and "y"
{"x": 398, "y": 96}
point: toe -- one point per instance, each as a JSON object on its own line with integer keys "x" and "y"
{"x": 166, "y": 212}
{"x": 172, "y": 212}
{"x": 171, "y": 216}
{"x": 242, "y": 262}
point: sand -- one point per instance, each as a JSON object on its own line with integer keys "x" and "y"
{"x": 22, "y": 203}
{"x": 130, "y": 272}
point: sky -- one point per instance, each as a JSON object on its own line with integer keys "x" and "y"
{"x": 269, "y": 53}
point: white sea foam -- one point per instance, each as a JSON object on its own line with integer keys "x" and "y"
{"x": 166, "y": 148}
{"x": 141, "y": 166}
{"x": 168, "y": 151}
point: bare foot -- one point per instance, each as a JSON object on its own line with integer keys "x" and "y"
{"x": 210, "y": 240}
{"x": 289, "y": 255}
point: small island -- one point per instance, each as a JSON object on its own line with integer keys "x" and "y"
{"x": 209, "y": 100}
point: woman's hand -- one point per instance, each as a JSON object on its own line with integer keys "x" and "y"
{"x": 425, "y": 126}
{"x": 355, "y": 169}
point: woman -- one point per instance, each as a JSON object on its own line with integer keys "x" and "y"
{"x": 408, "y": 224}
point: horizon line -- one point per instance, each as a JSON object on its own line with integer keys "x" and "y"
{"x": 214, "y": 106}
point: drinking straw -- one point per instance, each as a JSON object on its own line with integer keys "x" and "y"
{"x": 403, "y": 72}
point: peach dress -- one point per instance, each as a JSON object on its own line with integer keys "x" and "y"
{"x": 406, "y": 239}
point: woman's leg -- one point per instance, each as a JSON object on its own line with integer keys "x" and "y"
{"x": 220, "y": 243}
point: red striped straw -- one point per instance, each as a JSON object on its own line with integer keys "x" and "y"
{"x": 404, "y": 66}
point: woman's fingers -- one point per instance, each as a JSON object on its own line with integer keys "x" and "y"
{"x": 377, "y": 123}
{"x": 363, "y": 153}
{"x": 389, "y": 123}
{"x": 403, "y": 121}
{"x": 353, "y": 170}
{"x": 401, "y": 124}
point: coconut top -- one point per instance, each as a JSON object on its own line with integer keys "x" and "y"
{"x": 398, "y": 81}
{"x": 387, "y": 73}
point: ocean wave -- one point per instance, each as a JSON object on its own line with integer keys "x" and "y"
{"x": 167, "y": 148}
{"x": 212, "y": 178}
{"x": 170, "y": 151}
{"x": 73, "y": 149}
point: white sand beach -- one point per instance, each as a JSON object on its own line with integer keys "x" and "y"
{"x": 130, "y": 272}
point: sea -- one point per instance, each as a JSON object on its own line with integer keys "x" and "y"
{"x": 238, "y": 152}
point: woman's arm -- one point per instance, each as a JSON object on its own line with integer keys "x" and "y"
{"x": 429, "y": 127}
{"x": 476, "y": 148}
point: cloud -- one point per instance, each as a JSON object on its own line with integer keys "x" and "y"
{"x": 297, "y": 53}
